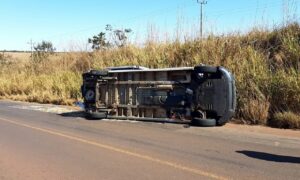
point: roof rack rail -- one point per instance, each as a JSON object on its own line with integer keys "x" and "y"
{"x": 127, "y": 68}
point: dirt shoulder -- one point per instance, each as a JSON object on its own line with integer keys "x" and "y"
{"x": 263, "y": 130}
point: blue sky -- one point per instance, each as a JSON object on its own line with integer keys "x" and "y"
{"x": 68, "y": 23}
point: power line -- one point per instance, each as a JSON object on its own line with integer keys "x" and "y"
{"x": 166, "y": 10}
{"x": 242, "y": 10}
{"x": 155, "y": 12}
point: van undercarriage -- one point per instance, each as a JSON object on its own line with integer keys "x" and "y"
{"x": 200, "y": 95}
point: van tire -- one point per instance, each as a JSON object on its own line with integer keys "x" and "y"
{"x": 203, "y": 122}
{"x": 96, "y": 115}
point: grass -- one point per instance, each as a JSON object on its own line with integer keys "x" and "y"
{"x": 266, "y": 65}
{"x": 286, "y": 120}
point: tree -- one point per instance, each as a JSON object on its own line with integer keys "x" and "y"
{"x": 42, "y": 51}
{"x": 119, "y": 37}
{"x": 45, "y": 46}
{"x": 116, "y": 38}
{"x": 99, "y": 41}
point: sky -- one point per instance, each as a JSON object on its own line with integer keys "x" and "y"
{"x": 68, "y": 24}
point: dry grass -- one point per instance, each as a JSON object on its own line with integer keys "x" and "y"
{"x": 266, "y": 65}
{"x": 256, "y": 111}
{"x": 19, "y": 55}
{"x": 286, "y": 120}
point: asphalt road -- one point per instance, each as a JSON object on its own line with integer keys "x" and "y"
{"x": 35, "y": 144}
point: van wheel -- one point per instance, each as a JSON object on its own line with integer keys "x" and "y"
{"x": 203, "y": 122}
{"x": 206, "y": 69}
{"x": 96, "y": 115}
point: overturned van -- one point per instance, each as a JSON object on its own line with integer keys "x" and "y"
{"x": 201, "y": 95}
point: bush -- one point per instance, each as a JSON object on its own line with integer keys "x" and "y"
{"x": 286, "y": 120}
{"x": 256, "y": 112}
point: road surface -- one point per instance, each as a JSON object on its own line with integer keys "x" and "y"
{"x": 38, "y": 143}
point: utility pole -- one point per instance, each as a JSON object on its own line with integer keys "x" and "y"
{"x": 201, "y": 2}
{"x": 31, "y": 48}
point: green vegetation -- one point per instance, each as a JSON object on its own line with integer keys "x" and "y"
{"x": 111, "y": 38}
{"x": 266, "y": 65}
{"x": 42, "y": 51}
